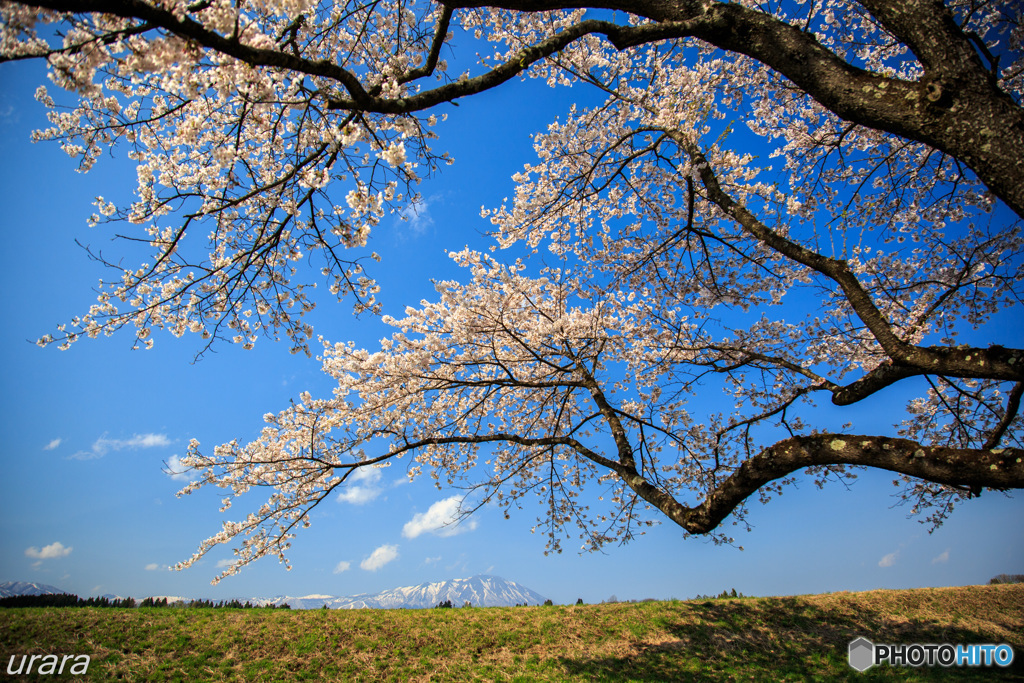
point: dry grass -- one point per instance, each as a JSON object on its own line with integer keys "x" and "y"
{"x": 794, "y": 638}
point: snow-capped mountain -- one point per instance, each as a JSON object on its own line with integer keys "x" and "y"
{"x": 480, "y": 591}
{"x": 9, "y": 588}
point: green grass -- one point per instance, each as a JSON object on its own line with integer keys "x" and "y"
{"x": 746, "y": 639}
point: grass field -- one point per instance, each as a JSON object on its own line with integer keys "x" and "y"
{"x": 746, "y": 639}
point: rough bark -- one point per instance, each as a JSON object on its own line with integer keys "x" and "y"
{"x": 1001, "y": 468}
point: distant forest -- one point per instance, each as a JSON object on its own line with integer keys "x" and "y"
{"x": 70, "y": 600}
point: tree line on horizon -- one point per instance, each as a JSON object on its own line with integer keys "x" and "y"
{"x": 71, "y": 600}
{"x": 1006, "y": 578}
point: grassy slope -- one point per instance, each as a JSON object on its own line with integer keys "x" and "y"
{"x": 793, "y": 638}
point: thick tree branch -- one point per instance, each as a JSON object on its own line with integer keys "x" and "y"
{"x": 963, "y": 467}
{"x": 502, "y": 73}
{"x": 939, "y": 359}
{"x": 1012, "y": 408}
{"x": 626, "y": 461}
{"x": 187, "y": 27}
{"x": 440, "y": 34}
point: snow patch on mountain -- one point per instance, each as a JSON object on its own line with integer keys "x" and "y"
{"x": 9, "y": 588}
{"x": 480, "y": 591}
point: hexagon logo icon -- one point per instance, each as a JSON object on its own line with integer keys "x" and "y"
{"x": 862, "y": 654}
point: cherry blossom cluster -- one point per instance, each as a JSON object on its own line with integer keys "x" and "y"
{"x": 249, "y": 159}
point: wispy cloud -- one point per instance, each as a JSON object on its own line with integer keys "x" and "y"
{"x": 144, "y": 441}
{"x": 942, "y": 557}
{"x": 103, "y": 445}
{"x": 178, "y": 472}
{"x": 417, "y": 217}
{"x": 380, "y": 557}
{"x": 459, "y": 564}
{"x": 361, "y": 487}
{"x": 221, "y": 564}
{"x": 155, "y": 567}
{"x": 342, "y": 566}
{"x": 48, "y": 552}
{"x": 889, "y": 560}
{"x": 432, "y": 560}
{"x": 52, "y": 445}
{"x": 440, "y": 519}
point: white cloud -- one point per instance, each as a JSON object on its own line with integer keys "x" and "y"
{"x": 103, "y": 445}
{"x": 342, "y": 566}
{"x": 224, "y": 563}
{"x": 175, "y": 470}
{"x": 432, "y": 560}
{"x": 942, "y": 558}
{"x": 152, "y": 567}
{"x": 144, "y": 441}
{"x": 86, "y": 455}
{"x": 380, "y": 557}
{"x": 361, "y": 487}
{"x": 53, "y": 444}
{"x": 48, "y": 552}
{"x": 358, "y": 495}
{"x": 417, "y": 216}
{"x": 439, "y": 520}
{"x": 889, "y": 560}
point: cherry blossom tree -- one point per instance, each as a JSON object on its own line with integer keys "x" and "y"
{"x": 877, "y": 243}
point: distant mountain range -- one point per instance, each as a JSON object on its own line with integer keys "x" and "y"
{"x": 10, "y": 588}
{"x": 480, "y": 591}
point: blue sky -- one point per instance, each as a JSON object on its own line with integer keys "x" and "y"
{"x": 85, "y": 505}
